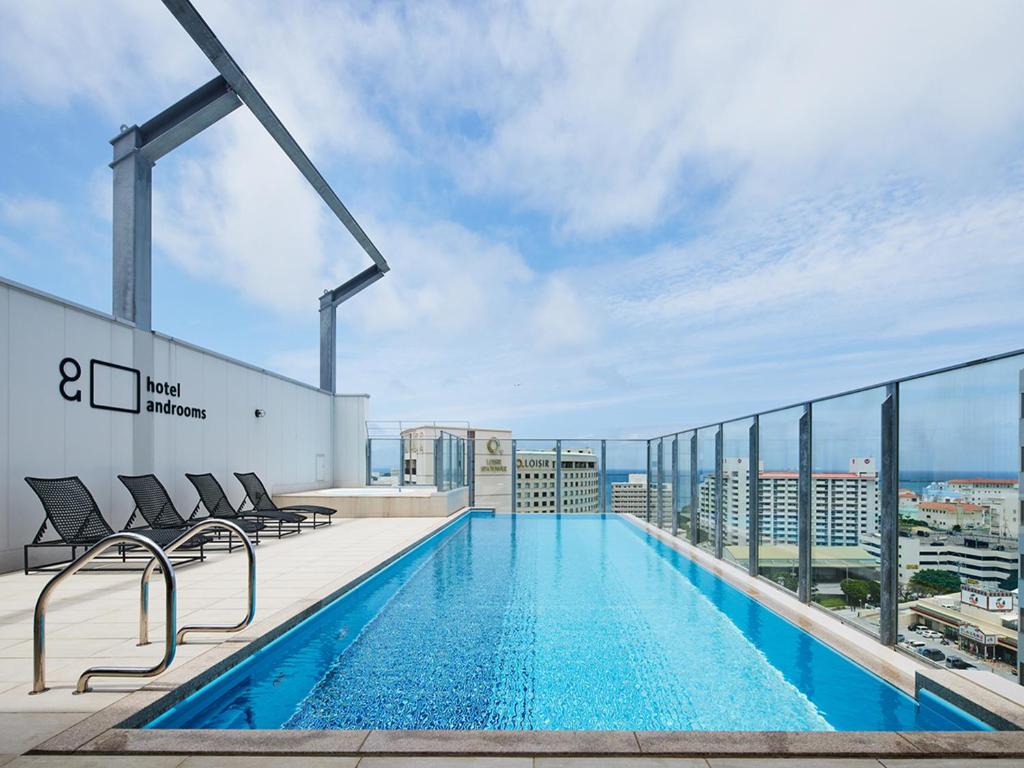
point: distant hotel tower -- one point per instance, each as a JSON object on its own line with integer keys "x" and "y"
{"x": 535, "y": 481}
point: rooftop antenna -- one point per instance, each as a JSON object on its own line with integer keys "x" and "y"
{"x": 137, "y": 148}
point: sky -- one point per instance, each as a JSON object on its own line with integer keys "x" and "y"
{"x": 614, "y": 224}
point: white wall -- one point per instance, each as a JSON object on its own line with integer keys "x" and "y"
{"x": 350, "y": 413}
{"x": 43, "y": 434}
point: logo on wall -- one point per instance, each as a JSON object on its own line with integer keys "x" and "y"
{"x": 493, "y": 446}
{"x": 121, "y": 389}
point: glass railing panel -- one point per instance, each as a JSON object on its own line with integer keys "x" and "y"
{"x": 626, "y": 477}
{"x": 707, "y": 522}
{"x": 581, "y": 476}
{"x": 385, "y": 461}
{"x": 682, "y": 485}
{"x": 779, "y": 464}
{"x": 846, "y": 448}
{"x": 736, "y": 491}
{"x": 959, "y": 508}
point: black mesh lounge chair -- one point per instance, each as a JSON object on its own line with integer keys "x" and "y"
{"x": 154, "y": 504}
{"x": 256, "y": 494}
{"x": 212, "y": 496}
{"x": 78, "y": 523}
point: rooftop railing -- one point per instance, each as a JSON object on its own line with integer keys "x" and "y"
{"x": 890, "y": 505}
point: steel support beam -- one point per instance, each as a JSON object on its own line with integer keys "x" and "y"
{"x": 132, "y": 231}
{"x": 558, "y": 477}
{"x": 136, "y": 149}
{"x": 889, "y": 528}
{"x": 675, "y": 485}
{"x": 197, "y": 28}
{"x": 329, "y": 302}
{"x": 719, "y": 496}
{"x": 188, "y": 118}
{"x": 805, "y": 512}
{"x": 603, "y": 478}
{"x": 754, "y": 497}
{"x": 694, "y": 490}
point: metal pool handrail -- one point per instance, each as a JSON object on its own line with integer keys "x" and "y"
{"x": 191, "y": 533}
{"x": 170, "y": 598}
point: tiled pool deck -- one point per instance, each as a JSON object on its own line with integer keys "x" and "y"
{"x": 93, "y": 620}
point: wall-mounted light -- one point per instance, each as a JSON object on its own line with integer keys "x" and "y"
{"x": 260, "y": 413}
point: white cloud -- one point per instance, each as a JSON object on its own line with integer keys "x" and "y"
{"x": 803, "y": 197}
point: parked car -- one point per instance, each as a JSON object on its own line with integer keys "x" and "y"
{"x": 955, "y": 662}
{"x": 916, "y": 643}
{"x": 932, "y": 653}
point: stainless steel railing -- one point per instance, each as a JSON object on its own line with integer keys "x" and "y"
{"x": 170, "y": 603}
{"x": 233, "y": 529}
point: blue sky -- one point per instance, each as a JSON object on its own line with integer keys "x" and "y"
{"x": 614, "y": 224}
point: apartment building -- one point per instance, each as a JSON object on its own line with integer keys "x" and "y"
{"x": 536, "y": 481}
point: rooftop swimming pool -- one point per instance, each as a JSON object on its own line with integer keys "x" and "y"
{"x": 551, "y": 622}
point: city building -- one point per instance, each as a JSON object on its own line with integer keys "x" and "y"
{"x": 536, "y": 478}
{"x": 630, "y": 496}
{"x": 999, "y": 497}
{"x": 975, "y": 558}
{"x": 846, "y": 504}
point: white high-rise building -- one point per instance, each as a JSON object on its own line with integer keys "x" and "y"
{"x": 536, "y": 479}
{"x": 630, "y": 497}
{"x": 846, "y": 504}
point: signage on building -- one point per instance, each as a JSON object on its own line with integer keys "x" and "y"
{"x": 976, "y": 634}
{"x": 986, "y": 598}
{"x": 125, "y": 390}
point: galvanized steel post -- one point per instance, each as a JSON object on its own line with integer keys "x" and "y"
{"x": 889, "y": 526}
{"x": 603, "y": 475}
{"x": 675, "y": 485}
{"x": 719, "y": 495}
{"x": 515, "y": 478}
{"x": 694, "y": 490}
{"x": 805, "y": 512}
{"x": 558, "y": 477}
{"x": 754, "y": 497}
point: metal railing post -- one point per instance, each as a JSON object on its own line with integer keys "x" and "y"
{"x": 124, "y": 538}
{"x": 558, "y": 477}
{"x": 369, "y": 454}
{"x": 604, "y": 478}
{"x": 889, "y": 524}
{"x": 675, "y": 485}
{"x": 1020, "y": 543}
{"x": 719, "y": 492}
{"x": 754, "y": 496}
{"x": 805, "y": 513}
{"x": 647, "y": 499}
{"x": 471, "y": 468}
{"x": 661, "y": 484}
{"x": 401, "y": 462}
{"x": 694, "y": 490}
{"x": 514, "y": 469}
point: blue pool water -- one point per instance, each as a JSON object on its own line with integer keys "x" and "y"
{"x": 545, "y": 622}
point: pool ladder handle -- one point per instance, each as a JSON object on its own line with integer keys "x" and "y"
{"x": 172, "y": 636}
{"x": 195, "y": 530}
{"x": 39, "y": 616}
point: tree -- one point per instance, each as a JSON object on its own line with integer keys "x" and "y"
{"x": 857, "y": 591}
{"x": 932, "y": 581}
{"x": 1010, "y": 582}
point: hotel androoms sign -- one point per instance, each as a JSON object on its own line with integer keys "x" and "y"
{"x": 162, "y": 396}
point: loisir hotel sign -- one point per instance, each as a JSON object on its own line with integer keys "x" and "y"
{"x": 125, "y": 392}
